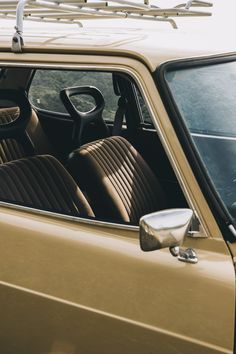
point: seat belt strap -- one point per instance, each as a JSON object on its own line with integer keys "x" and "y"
{"x": 119, "y": 117}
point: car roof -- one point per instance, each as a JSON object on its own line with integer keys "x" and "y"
{"x": 153, "y": 44}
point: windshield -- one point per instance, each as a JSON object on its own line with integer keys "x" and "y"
{"x": 206, "y": 99}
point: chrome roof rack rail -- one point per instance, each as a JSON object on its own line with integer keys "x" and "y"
{"x": 74, "y": 11}
{"x": 17, "y": 40}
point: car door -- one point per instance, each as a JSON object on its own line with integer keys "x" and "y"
{"x": 70, "y": 285}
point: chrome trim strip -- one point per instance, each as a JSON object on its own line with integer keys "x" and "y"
{"x": 69, "y": 217}
{"x": 212, "y": 136}
{"x": 232, "y": 230}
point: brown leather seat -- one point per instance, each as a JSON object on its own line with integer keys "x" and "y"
{"x": 12, "y": 149}
{"x": 41, "y": 182}
{"x": 117, "y": 181}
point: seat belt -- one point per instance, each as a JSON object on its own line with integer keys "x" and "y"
{"x": 119, "y": 116}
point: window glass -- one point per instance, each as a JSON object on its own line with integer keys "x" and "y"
{"x": 46, "y": 85}
{"x": 206, "y": 99}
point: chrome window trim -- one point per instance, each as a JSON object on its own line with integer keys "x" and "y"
{"x": 156, "y": 123}
{"x": 212, "y": 136}
{"x": 65, "y": 217}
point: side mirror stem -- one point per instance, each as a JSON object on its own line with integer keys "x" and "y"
{"x": 188, "y": 255}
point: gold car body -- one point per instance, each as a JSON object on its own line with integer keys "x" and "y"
{"x": 70, "y": 285}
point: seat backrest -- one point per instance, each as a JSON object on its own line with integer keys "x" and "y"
{"x": 83, "y": 120}
{"x": 12, "y": 149}
{"x": 118, "y": 182}
{"x": 41, "y": 182}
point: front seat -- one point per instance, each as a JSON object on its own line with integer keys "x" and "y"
{"x": 41, "y": 182}
{"x": 119, "y": 184}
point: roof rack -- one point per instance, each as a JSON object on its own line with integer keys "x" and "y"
{"x": 74, "y": 11}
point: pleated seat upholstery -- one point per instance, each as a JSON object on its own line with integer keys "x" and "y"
{"x": 118, "y": 182}
{"x": 43, "y": 183}
{"x": 12, "y": 149}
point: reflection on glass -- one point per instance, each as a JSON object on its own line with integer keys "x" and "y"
{"x": 206, "y": 99}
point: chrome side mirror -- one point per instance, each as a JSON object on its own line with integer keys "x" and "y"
{"x": 164, "y": 229}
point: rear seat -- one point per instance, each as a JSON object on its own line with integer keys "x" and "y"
{"x": 11, "y": 149}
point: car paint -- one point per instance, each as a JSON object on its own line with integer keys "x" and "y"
{"x": 101, "y": 281}
{"x": 125, "y": 41}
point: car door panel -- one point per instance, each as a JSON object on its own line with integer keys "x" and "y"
{"x": 91, "y": 289}
{"x": 47, "y": 325}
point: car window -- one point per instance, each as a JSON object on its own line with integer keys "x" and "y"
{"x": 145, "y": 115}
{"x": 46, "y": 85}
{"x": 83, "y": 166}
{"x": 206, "y": 97}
